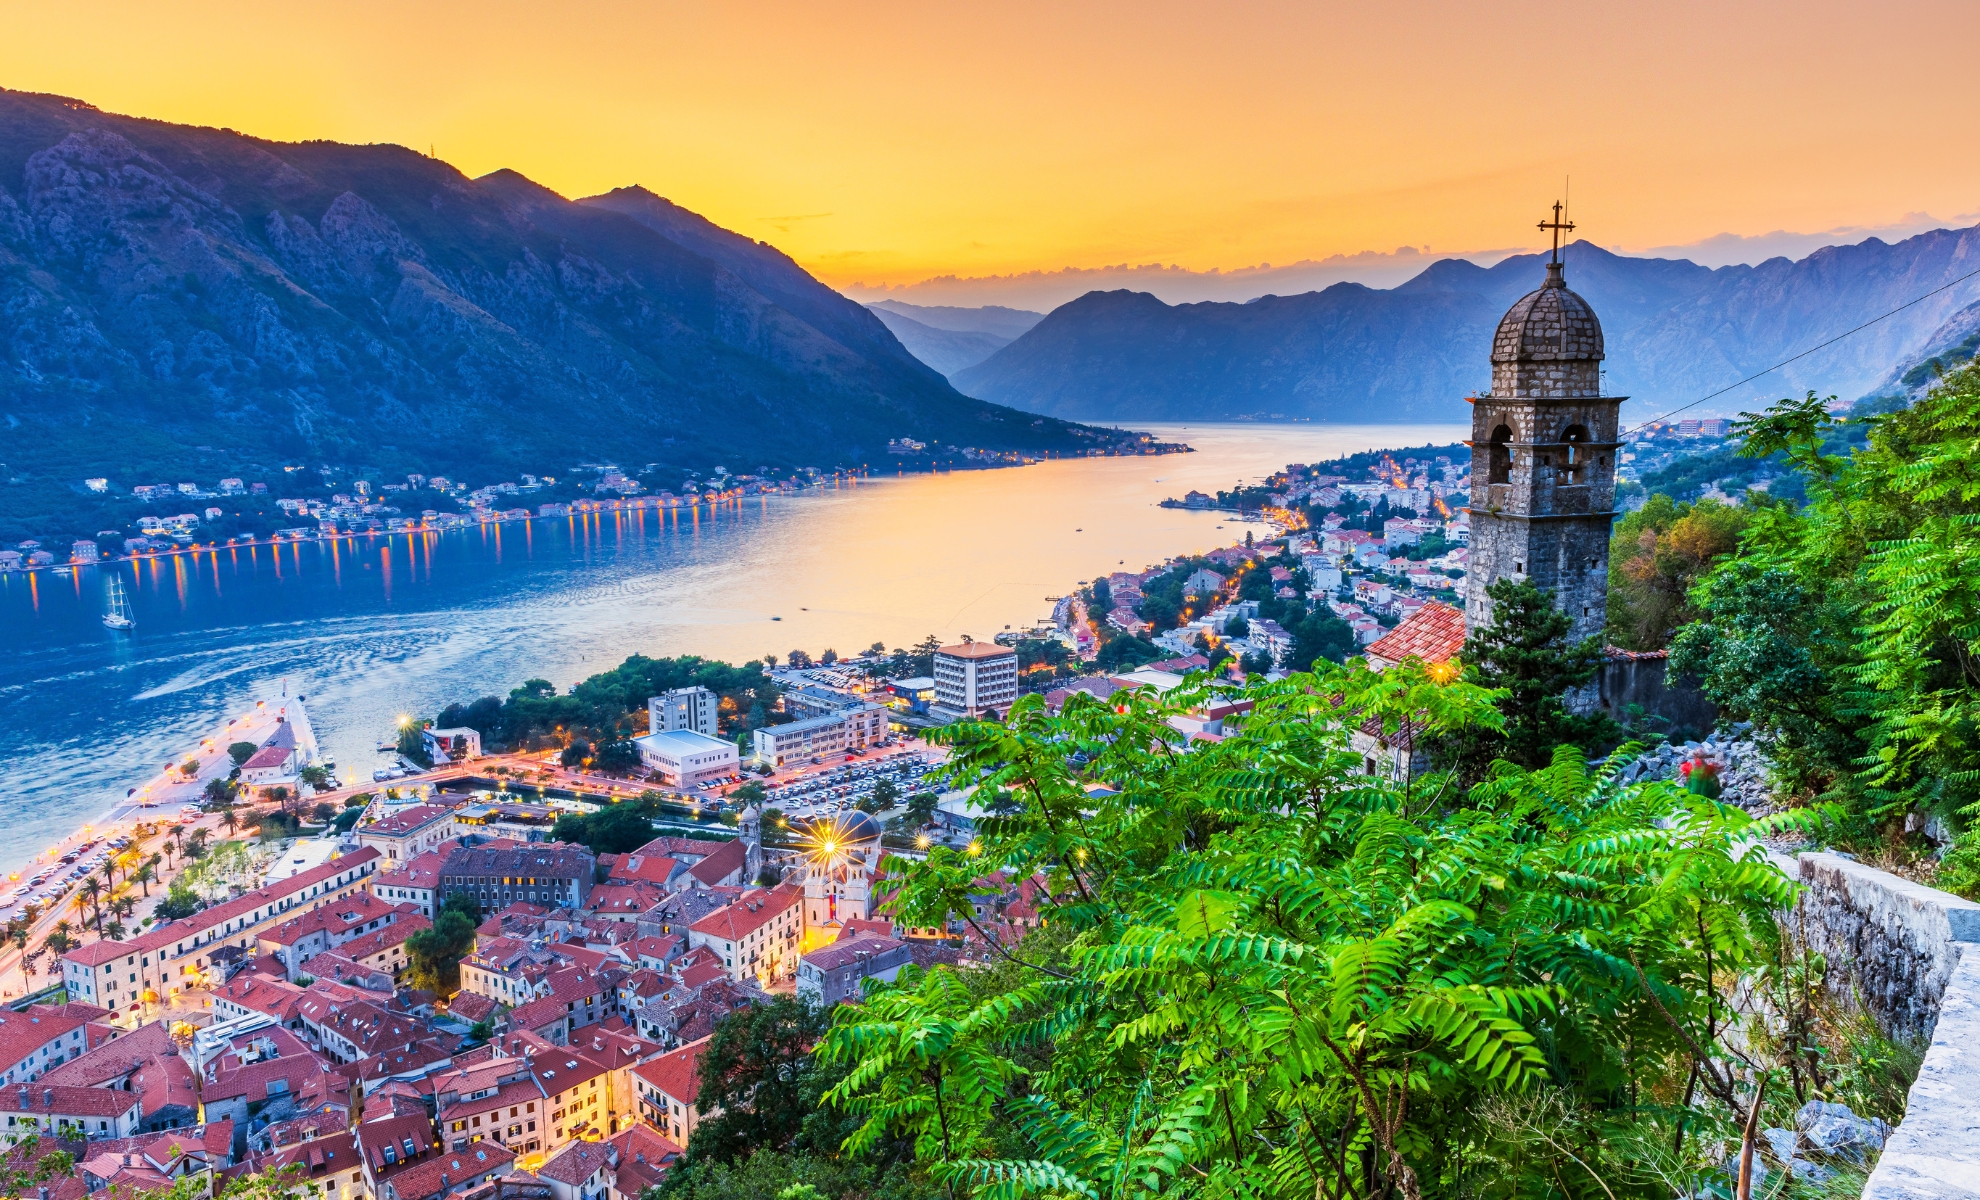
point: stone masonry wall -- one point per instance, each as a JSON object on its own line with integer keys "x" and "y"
{"x": 1912, "y": 955}
{"x": 1895, "y": 942}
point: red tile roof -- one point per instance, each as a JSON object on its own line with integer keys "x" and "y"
{"x": 422, "y": 871}
{"x": 357, "y": 949}
{"x": 855, "y": 927}
{"x": 575, "y": 1163}
{"x": 653, "y": 868}
{"x": 444, "y": 1172}
{"x": 23, "y": 1033}
{"x": 749, "y": 914}
{"x": 277, "y": 998}
{"x": 472, "y": 1006}
{"x": 720, "y": 864}
{"x": 1432, "y": 634}
{"x": 374, "y": 1136}
{"x": 702, "y": 973}
{"x": 408, "y": 821}
{"x": 113, "y": 1058}
{"x": 644, "y": 1157}
{"x": 628, "y": 896}
{"x": 678, "y": 1074}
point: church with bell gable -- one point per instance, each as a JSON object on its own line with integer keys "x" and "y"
{"x": 1543, "y": 459}
{"x": 1544, "y": 443}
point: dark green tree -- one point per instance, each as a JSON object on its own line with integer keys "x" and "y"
{"x": 240, "y": 752}
{"x": 1525, "y": 652}
{"x": 1322, "y": 635}
{"x": 435, "y": 954}
{"x": 619, "y": 754}
{"x": 759, "y": 1073}
{"x": 616, "y": 829}
{"x": 881, "y": 798}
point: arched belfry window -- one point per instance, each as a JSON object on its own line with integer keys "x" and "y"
{"x": 1576, "y": 437}
{"x": 1499, "y": 457}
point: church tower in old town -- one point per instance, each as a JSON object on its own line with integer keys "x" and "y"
{"x": 1543, "y": 456}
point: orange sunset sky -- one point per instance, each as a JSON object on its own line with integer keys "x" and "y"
{"x": 889, "y": 142}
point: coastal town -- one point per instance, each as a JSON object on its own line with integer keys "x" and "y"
{"x": 564, "y": 934}
{"x": 325, "y": 503}
{"x": 409, "y": 986}
{"x": 303, "y": 1015}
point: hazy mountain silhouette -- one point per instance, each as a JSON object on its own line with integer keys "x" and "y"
{"x": 169, "y": 289}
{"x": 947, "y": 350}
{"x": 1006, "y": 323}
{"x": 1675, "y": 331}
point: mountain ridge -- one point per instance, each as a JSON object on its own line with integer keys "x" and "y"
{"x": 1675, "y": 331}
{"x": 190, "y": 300}
{"x": 946, "y": 350}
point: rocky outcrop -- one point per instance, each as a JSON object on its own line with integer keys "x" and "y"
{"x": 1740, "y": 761}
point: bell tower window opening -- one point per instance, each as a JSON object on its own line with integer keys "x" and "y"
{"x": 1575, "y": 436}
{"x": 1499, "y": 456}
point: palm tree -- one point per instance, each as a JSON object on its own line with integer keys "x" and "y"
{"x": 145, "y": 873}
{"x": 88, "y": 894}
{"x": 125, "y": 904}
{"x": 179, "y": 839}
{"x": 59, "y": 940}
{"x": 115, "y": 931}
{"x": 198, "y": 840}
{"x": 230, "y": 819}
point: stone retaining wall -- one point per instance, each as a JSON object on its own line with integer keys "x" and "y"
{"x": 1894, "y": 943}
{"x": 1912, "y": 956}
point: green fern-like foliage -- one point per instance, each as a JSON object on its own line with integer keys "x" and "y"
{"x": 1273, "y": 975}
{"x": 1849, "y": 629}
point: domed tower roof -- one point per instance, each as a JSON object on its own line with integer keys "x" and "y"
{"x": 852, "y": 828}
{"x": 860, "y": 826}
{"x": 1551, "y": 324}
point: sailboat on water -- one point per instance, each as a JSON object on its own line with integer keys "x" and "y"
{"x": 119, "y": 614}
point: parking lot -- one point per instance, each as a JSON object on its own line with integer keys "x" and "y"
{"x": 830, "y": 788}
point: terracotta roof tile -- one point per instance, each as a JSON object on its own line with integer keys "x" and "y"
{"x": 1432, "y": 634}
{"x": 678, "y": 1074}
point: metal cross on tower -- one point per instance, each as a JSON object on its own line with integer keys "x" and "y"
{"x": 1558, "y": 228}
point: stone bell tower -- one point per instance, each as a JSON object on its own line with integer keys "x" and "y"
{"x": 1543, "y": 456}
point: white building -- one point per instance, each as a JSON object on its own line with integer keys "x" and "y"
{"x": 686, "y": 757}
{"x": 974, "y": 676}
{"x": 451, "y": 745}
{"x": 690, "y": 708}
{"x": 839, "y": 864}
{"x": 833, "y": 733}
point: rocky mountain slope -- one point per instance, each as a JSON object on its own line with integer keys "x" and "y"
{"x": 183, "y": 302}
{"x": 1007, "y": 323}
{"x": 1675, "y": 331}
{"x": 947, "y": 350}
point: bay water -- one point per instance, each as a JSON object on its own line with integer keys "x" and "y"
{"x": 378, "y": 627}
